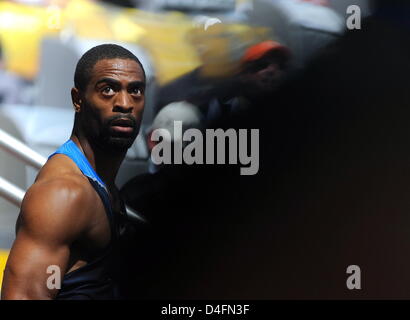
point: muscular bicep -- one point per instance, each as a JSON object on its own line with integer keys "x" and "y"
{"x": 48, "y": 225}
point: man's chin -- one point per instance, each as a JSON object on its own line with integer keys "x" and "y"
{"x": 119, "y": 144}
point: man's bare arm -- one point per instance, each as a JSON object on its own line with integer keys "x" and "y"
{"x": 52, "y": 217}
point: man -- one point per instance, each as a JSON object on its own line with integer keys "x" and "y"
{"x": 69, "y": 219}
{"x": 262, "y": 69}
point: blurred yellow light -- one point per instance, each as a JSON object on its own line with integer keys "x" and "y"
{"x": 174, "y": 45}
{"x": 127, "y": 31}
{"x": 3, "y": 259}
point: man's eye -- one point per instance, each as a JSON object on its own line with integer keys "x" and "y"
{"x": 108, "y": 91}
{"x": 137, "y": 91}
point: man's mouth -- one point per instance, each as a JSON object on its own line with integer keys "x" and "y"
{"x": 123, "y": 129}
{"x": 122, "y": 125}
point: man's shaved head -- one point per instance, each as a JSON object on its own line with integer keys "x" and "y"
{"x": 87, "y": 62}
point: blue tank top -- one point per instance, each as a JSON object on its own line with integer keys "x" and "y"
{"x": 94, "y": 280}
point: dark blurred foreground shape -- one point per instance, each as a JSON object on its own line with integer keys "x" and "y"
{"x": 333, "y": 188}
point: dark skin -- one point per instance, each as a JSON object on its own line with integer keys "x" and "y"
{"x": 62, "y": 219}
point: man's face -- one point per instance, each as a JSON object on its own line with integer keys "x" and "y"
{"x": 113, "y": 104}
{"x": 263, "y": 75}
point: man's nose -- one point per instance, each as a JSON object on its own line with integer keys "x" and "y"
{"x": 123, "y": 102}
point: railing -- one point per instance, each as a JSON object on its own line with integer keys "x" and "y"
{"x": 11, "y": 192}
{"x": 17, "y": 148}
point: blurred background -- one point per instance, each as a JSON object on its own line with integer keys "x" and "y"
{"x": 186, "y": 46}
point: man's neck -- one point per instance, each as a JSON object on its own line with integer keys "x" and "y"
{"x": 106, "y": 164}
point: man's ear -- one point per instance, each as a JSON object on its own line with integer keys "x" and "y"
{"x": 76, "y": 99}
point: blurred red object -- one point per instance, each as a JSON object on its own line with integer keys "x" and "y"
{"x": 257, "y": 51}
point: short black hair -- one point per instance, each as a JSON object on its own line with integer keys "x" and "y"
{"x": 89, "y": 59}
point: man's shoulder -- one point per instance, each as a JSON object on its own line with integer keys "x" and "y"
{"x": 56, "y": 197}
{"x": 59, "y": 165}
{"x": 68, "y": 187}
{"x": 61, "y": 177}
